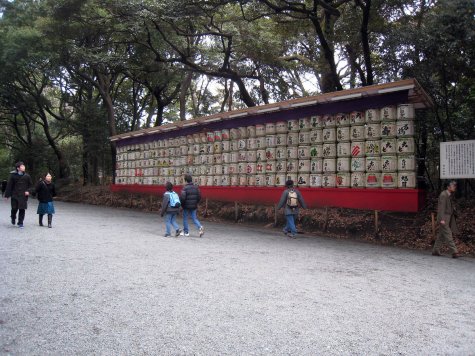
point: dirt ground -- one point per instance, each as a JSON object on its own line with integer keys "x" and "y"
{"x": 408, "y": 230}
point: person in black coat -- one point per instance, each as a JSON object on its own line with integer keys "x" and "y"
{"x": 18, "y": 188}
{"x": 190, "y": 197}
{"x": 45, "y": 191}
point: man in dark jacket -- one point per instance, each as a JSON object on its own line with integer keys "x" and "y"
{"x": 18, "y": 188}
{"x": 291, "y": 198}
{"x": 190, "y": 197}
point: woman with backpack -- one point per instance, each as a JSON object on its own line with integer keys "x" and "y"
{"x": 291, "y": 198}
{"x": 45, "y": 191}
{"x": 170, "y": 208}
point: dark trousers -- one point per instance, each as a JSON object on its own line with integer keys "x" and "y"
{"x": 21, "y": 215}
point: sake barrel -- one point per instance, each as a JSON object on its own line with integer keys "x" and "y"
{"x": 293, "y": 125}
{"x": 251, "y": 156}
{"x": 357, "y": 148}
{"x": 315, "y": 122}
{"x": 225, "y": 181}
{"x": 280, "y": 153}
{"x": 406, "y": 163}
{"x": 406, "y": 179}
{"x": 316, "y": 136}
{"x": 316, "y": 165}
{"x": 329, "y": 121}
{"x": 270, "y": 166}
{"x": 280, "y": 140}
{"x": 388, "y": 146}
{"x": 316, "y": 151}
{"x": 329, "y": 165}
{"x": 357, "y": 132}
{"x": 373, "y": 164}
{"x": 217, "y": 135}
{"x": 196, "y": 139}
{"x": 304, "y": 138}
{"x": 234, "y": 180}
{"x": 388, "y": 129}
{"x": 291, "y": 176}
{"x": 405, "y": 145}
{"x": 260, "y": 155}
{"x": 271, "y": 140}
{"x": 292, "y": 166}
{"x": 234, "y": 145}
{"x": 405, "y": 112}
{"x": 225, "y": 146}
{"x": 251, "y": 168}
{"x": 217, "y": 158}
{"x": 303, "y": 152}
{"x": 372, "y": 147}
{"x": 242, "y": 180}
{"x": 343, "y": 164}
{"x": 358, "y": 180}
{"x": 217, "y": 147}
{"x": 389, "y": 163}
{"x": 304, "y": 124}
{"x": 292, "y": 139}
{"x": 373, "y": 180}
{"x": 329, "y": 134}
{"x": 225, "y": 135}
{"x": 260, "y": 130}
{"x": 342, "y": 119}
{"x": 251, "y": 180}
{"x": 358, "y": 164}
{"x": 224, "y": 169}
{"x": 251, "y": 131}
{"x": 329, "y": 180}
{"x": 209, "y": 181}
{"x": 329, "y": 150}
{"x": 260, "y": 167}
{"x": 242, "y": 144}
{"x": 304, "y": 166}
{"x": 343, "y": 149}
{"x": 343, "y": 134}
{"x": 280, "y": 127}
{"x": 209, "y": 148}
{"x": 209, "y": 170}
{"x": 388, "y": 113}
{"x": 233, "y": 168}
{"x": 242, "y": 167}
{"x": 260, "y": 180}
{"x": 184, "y": 150}
{"x": 372, "y": 116}
{"x": 357, "y": 118}
{"x": 260, "y": 142}
{"x": 280, "y": 180}
{"x": 234, "y": 157}
{"x": 373, "y": 131}
{"x": 216, "y": 169}
{"x": 343, "y": 180}
{"x": 405, "y": 128}
{"x": 270, "y": 180}
{"x": 234, "y": 134}
{"x": 270, "y": 153}
{"x": 315, "y": 180}
{"x": 210, "y": 137}
{"x": 270, "y": 128}
{"x": 242, "y": 132}
{"x": 389, "y": 180}
{"x": 303, "y": 179}
{"x": 251, "y": 143}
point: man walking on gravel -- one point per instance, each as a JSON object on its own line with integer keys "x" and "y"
{"x": 190, "y": 197}
{"x": 446, "y": 220}
{"x": 18, "y": 188}
{"x": 291, "y": 198}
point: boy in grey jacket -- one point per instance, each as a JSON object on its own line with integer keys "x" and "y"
{"x": 170, "y": 211}
{"x": 291, "y": 198}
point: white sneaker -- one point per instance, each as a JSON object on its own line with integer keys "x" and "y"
{"x": 184, "y": 234}
{"x": 202, "y": 231}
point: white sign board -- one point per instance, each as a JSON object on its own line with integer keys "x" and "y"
{"x": 457, "y": 159}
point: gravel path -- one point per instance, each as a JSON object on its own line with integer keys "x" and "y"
{"x": 105, "y": 281}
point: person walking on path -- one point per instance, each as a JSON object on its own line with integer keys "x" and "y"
{"x": 446, "y": 219}
{"x": 170, "y": 208}
{"x": 291, "y": 198}
{"x": 45, "y": 191}
{"x": 18, "y": 189}
{"x": 190, "y": 197}
{"x": 4, "y": 187}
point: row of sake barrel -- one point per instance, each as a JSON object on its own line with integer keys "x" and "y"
{"x": 388, "y": 180}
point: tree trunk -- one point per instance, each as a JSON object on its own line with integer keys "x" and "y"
{"x": 185, "y": 85}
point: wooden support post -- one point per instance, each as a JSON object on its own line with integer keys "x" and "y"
{"x": 376, "y": 222}
{"x": 151, "y": 203}
{"x": 236, "y": 211}
{"x": 206, "y": 208}
{"x": 325, "y": 222}
{"x": 432, "y": 215}
{"x": 275, "y": 215}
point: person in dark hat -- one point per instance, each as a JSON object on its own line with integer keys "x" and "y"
{"x": 18, "y": 189}
{"x": 291, "y": 199}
